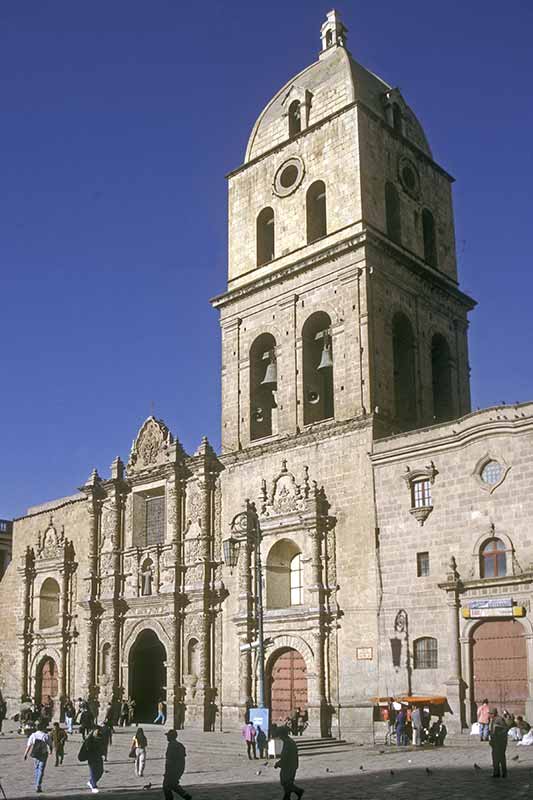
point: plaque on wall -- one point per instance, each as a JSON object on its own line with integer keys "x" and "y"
{"x": 364, "y": 653}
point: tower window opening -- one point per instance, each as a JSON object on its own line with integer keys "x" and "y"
{"x": 265, "y": 236}
{"x": 263, "y": 387}
{"x": 317, "y": 368}
{"x": 393, "y": 213}
{"x": 441, "y": 372}
{"x": 316, "y": 211}
{"x": 397, "y": 122}
{"x": 430, "y": 242}
{"x": 403, "y": 356}
{"x": 295, "y": 118}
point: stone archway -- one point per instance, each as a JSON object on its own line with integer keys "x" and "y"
{"x": 47, "y": 681}
{"x": 287, "y": 685}
{"x": 147, "y": 674}
{"x": 499, "y": 664}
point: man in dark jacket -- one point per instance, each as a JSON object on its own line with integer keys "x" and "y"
{"x": 288, "y": 764}
{"x": 498, "y": 743}
{"x": 174, "y": 767}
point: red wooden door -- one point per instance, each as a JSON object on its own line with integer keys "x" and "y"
{"x": 288, "y": 685}
{"x": 500, "y": 665}
{"x": 49, "y": 685}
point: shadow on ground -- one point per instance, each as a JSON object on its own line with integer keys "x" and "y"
{"x": 402, "y": 784}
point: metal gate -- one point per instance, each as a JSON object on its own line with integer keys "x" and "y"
{"x": 288, "y": 685}
{"x": 500, "y": 665}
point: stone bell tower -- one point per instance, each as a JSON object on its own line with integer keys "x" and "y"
{"x": 342, "y": 322}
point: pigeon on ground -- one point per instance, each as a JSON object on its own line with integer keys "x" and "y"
{"x": 381, "y": 752}
{"x": 428, "y": 771}
{"x": 476, "y": 766}
{"x": 515, "y": 758}
{"x": 361, "y": 767}
{"x": 327, "y": 769}
{"x": 148, "y": 786}
{"x": 258, "y": 772}
{"x": 392, "y": 772}
{"x": 265, "y": 764}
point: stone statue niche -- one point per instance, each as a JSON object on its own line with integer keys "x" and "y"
{"x": 147, "y": 577}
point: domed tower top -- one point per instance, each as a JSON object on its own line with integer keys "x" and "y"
{"x": 328, "y": 85}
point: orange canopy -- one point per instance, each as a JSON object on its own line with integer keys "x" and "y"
{"x": 422, "y": 700}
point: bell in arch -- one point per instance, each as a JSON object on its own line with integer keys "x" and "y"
{"x": 271, "y": 372}
{"x": 326, "y": 359}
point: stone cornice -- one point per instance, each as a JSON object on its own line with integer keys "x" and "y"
{"x": 447, "y": 437}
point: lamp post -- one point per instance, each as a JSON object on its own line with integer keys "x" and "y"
{"x": 245, "y": 527}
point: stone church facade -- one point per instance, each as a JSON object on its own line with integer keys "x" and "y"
{"x": 395, "y": 524}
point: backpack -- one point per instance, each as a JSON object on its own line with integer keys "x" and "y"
{"x": 39, "y": 750}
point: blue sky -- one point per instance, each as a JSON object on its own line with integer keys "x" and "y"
{"x": 119, "y": 121}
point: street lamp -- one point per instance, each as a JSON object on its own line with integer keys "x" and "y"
{"x": 245, "y": 527}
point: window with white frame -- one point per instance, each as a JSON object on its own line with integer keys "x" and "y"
{"x": 296, "y": 573}
{"x": 421, "y": 491}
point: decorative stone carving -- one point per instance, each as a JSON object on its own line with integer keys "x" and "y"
{"x": 151, "y": 445}
{"x": 51, "y": 542}
{"x": 285, "y": 494}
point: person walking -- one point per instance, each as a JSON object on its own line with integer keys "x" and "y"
{"x": 124, "y": 714}
{"x": 261, "y": 741}
{"x": 249, "y": 736}
{"x": 86, "y": 722}
{"x": 133, "y": 712}
{"x": 70, "y": 714}
{"x": 288, "y": 765}
{"x": 94, "y": 751}
{"x": 174, "y": 767}
{"x": 416, "y": 721}
{"x": 401, "y": 719}
{"x": 107, "y": 735}
{"x": 161, "y": 713}
{"x": 39, "y": 747}
{"x": 498, "y": 743}
{"x": 59, "y": 737}
{"x": 483, "y": 717}
{"x": 139, "y": 744}
{"x": 3, "y": 712}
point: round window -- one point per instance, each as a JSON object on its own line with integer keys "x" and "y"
{"x": 409, "y": 177}
{"x": 491, "y": 472}
{"x": 288, "y": 177}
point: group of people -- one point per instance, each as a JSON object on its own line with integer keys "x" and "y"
{"x": 408, "y": 724}
{"x": 497, "y": 729}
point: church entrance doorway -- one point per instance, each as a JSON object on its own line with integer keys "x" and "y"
{"x": 47, "y": 681}
{"x": 286, "y": 684}
{"x": 147, "y": 675}
{"x": 500, "y": 665}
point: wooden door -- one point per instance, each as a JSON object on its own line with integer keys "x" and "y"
{"x": 49, "y": 684}
{"x": 288, "y": 685}
{"x": 500, "y": 665}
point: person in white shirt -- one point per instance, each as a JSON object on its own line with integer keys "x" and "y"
{"x": 39, "y": 747}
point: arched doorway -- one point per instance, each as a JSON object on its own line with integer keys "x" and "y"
{"x": 46, "y": 681}
{"x": 287, "y": 684}
{"x": 147, "y": 675}
{"x": 500, "y": 665}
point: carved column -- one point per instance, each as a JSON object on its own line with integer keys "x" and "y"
{"x": 27, "y": 627}
{"x": 94, "y": 507}
{"x": 454, "y": 684}
{"x": 246, "y": 611}
{"x": 174, "y": 515}
{"x": 317, "y": 587}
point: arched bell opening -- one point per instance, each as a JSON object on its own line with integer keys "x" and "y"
{"x": 441, "y": 373}
{"x": 403, "y": 355}
{"x": 263, "y": 387}
{"x": 317, "y": 368}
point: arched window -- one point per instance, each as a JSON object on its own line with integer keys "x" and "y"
{"x": 296, "y": 573}
{"x": 265, "y": 236}
{"x": 49, "y": 604}
{"x": 425, "y": 653}
{"x": 317, "y": 368}
{"x": 392, "y": 213}
{"x": 441, "y": 373}
{"x": 295, "y": 118}
{"x": 193, "y": 657}
{"x": 106, "y": 659}
{"x": 403, "y": 355}
{"x": 397, "y": 122}
{"x": 263, "y": 386}
{"x": 316, "y": 211}
{"x": 430, "y": 242}
{"x": 493, "y": 559}
{"x": 284, "y": 584}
